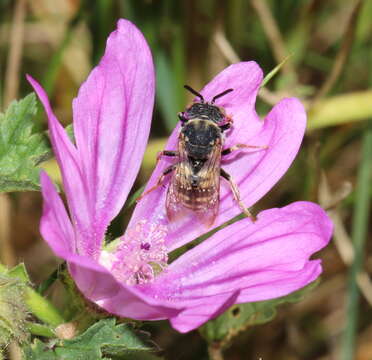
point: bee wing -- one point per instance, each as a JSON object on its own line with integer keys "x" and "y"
{"x": 199, "y": 202}
{"x": 179, "y": 182}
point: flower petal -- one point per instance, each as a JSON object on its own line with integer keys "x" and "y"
{"x": 55, "y": 225}
{"x": 255, "y": 172}
{"x": 112, "y": 119}
{"x": 93, "y": 280}
{"x": 112, "y": 116}
{"x": 264, "y": 260}
{"x": 195, "y": 316}
{"x": 98, "y": 285}
{"x": 73, "y": 180}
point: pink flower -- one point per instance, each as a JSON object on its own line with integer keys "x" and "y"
{"x": 130, "y": 277}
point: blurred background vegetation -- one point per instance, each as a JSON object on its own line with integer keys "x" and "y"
{"x": 330, "y": 43}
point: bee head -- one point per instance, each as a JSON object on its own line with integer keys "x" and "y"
{"x": 204, "y": 110}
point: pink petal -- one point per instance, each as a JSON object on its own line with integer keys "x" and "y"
{"x": 98, "y": 285}
{"x": 258, "y": 171}
{"x": 261, "y": 261}
{"x": 73, "y": 180}
{"x": 195, "y": 316}
{"x": 55, "y": 225}
{"x": 93, "y": 280}
{"x": 255, "y": 172}
{"x": 112, "y": 116}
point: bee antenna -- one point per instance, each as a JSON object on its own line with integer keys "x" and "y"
{"x": 200, "y": 96}
{"x": 221, "y": 94}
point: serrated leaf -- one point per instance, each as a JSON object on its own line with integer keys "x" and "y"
{"x": 35, "y": 303}
{"x": 21, "y": 149}
{"x": 13, "y": 311}
{"x": 103, "y": 339}
{"x": 240, "y": 317}
{"x": 39, "y": 351}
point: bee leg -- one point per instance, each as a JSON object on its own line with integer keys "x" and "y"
{"x": 182, "y": 117}
{"x": 236, "y": 193}
{"x": 225, "y": 127}
{"x": 241, "y": 146}
{"x": 166, "y": 153}
{"x": 167, "y": 170}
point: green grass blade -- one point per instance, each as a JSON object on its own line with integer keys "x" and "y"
{"x": 274, "y": 71}
{"x": 359, "y": 233}
{"x": 341, "y": 109}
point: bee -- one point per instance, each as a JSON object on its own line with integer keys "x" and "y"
{"x": 195, "y": 176}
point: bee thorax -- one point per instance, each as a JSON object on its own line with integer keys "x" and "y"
{"x": 200, "y": 137}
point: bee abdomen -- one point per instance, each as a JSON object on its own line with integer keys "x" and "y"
{"x": 197, "y": 199}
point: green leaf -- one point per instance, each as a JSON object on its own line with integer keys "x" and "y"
{"x": 35, "y": 303}
{"x": 21, "y": 150}
{"x": 111, "y": 339}
{"x": 105, "y": 339}
{"x": 13, "y": 311}
{"x": 39, "y": 351}
{"x": 240, "y": 317}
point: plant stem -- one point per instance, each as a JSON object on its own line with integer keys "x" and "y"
{"x": 359, "y": 232}
{"x": 42, "y": 308}
{"x": 40, "y": 330}
{"x": 215, "y": 351}
{"x": 44, "y": 286}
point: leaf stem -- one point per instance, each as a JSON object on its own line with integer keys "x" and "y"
{"x": 42, "y": 308}
{"x": 40, "y": 330}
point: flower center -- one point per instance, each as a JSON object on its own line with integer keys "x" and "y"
{"x": 140, "y": 255}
